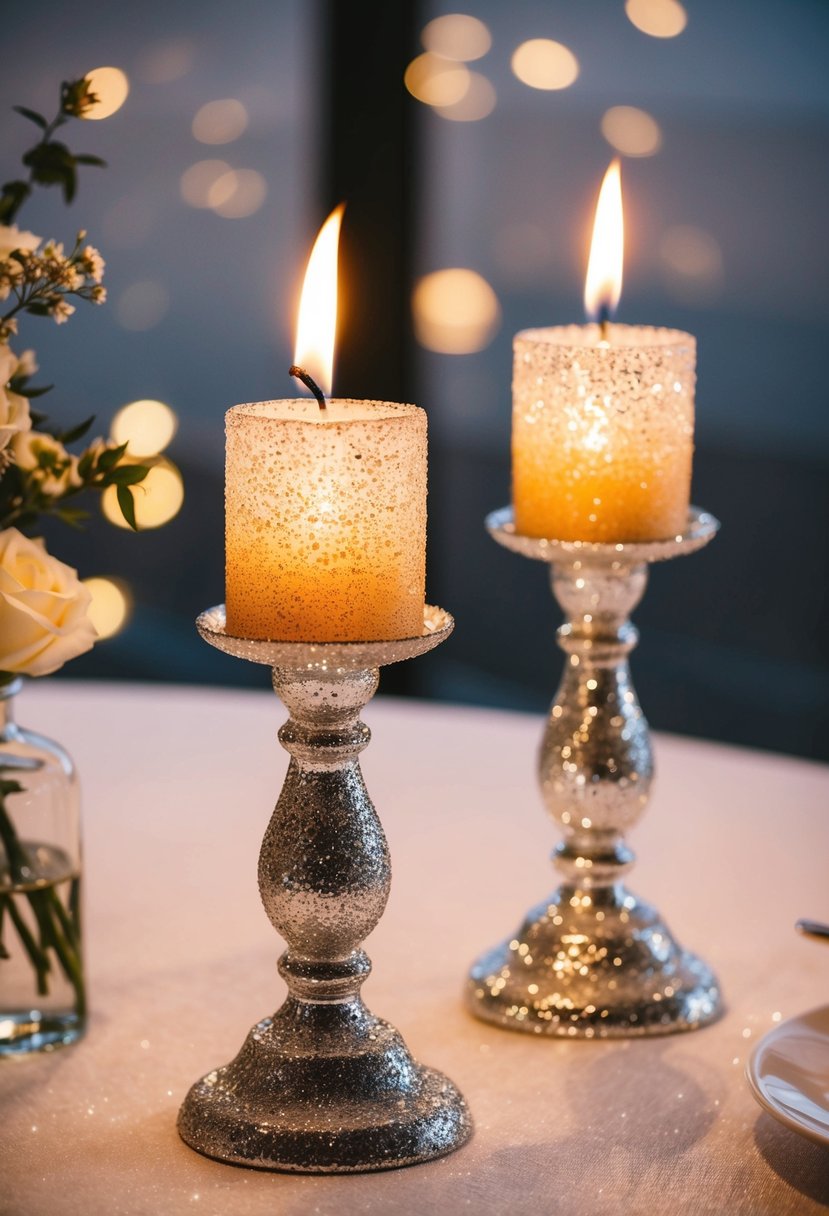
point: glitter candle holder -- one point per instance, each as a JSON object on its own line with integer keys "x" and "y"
{"x": 323, "y": 1085}
{"x": 593, "y": 960}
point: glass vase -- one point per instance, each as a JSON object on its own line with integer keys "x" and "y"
{"x": 42, "y": 995}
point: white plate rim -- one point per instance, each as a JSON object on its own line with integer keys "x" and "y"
{"x": 754, "y": 1076}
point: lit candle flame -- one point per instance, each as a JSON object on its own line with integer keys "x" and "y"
{"x": 317, "y": 323}
{"x": 603, "y": 285}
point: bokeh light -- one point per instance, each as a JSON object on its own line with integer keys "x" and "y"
{"x": 112, "y": 88}
{"x": 631, "y": 131}
{"x": 164, "y": 62}
{"x": 478, "y": 101}
{"x": 129, "y": 221}
{"x": 455, "y": 311}
{"x": 111, "y": 605}
{"x": 142, "y": 306}
{"x": 544, "y": 64}
{"x": 693, "y": 262}
{"x": 147, "y": 426}
{"x": 237, "y": 194}
{"x": 436, "y": 81}
{"x": 157, "y": 498}
{"x": 659, "y": 18}
{"x": 457, "y": 36}
{"x": 197, "y": 181}
{"x": 220, "y": 122}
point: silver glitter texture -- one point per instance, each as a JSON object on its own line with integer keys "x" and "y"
{"x": 324, "y": 1086}
{"x": 593, "y": 960}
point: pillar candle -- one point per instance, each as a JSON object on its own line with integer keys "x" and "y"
{"x": 325, "y": 520}
{"x": 603, "y": 426}
{"x": 603, "y": 414}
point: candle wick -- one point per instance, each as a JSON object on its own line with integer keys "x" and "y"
{"x": 309, "y": 382}
{"x": 604, "y": 323}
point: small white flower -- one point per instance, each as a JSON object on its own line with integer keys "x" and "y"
{"x": 59, "y": 310}
{"x": 26, "y": 364}
{"x": 14, "y": 409}
{"x": 11, "y": 239}
{"x": 93, "y": 264}
{"x": 53, "y": 251}
{"x": 47, "y": 462}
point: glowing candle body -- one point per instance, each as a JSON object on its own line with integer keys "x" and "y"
{"x": 325, "y": 521}
{"x": 603, "y": 432}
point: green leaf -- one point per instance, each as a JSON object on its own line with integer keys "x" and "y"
{"x": 76, "y": 432}
{"x": 75, "y": 517}
{"x": 85, "y": 159}
{"x": 110, "y": 458}
{"x": 50, "y": 163}
{"x": 69, "y": 185}
{"x": 127, "y": 505}
{"x": 32, "y": 393}
{"x": 12, "y": 199}
{"x": 127, "y": 475}
{"x": 32, "y": 116}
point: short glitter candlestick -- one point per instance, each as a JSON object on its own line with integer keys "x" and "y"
{"x": 323, "y": 1086}
{"x": 593, "y": 960}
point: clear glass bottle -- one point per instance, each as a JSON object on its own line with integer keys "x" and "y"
{"x": 42, "y": 994}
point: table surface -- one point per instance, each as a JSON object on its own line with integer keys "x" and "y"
{"x": 178, "y": 787}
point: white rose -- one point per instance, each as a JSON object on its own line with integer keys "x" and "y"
{"x": 14, "y": 409}
{"x": 12, "y": 238}
{"x": 47, "y": 461}
{"x": 43, "y": 606}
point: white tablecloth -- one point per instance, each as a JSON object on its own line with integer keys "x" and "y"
{"x": 178, "y": 786}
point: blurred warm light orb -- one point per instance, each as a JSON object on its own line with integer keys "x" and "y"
{"x": 457, "y": 36}
{"x": 542, "y": 63}
{"x": 129, "y": 221}
{"x": 111, "y": 605}
{"x": 477, "y": 103}
{"x": 142, "y": 306}
{"x": 157, "y": 498}
{"x": 693, "y": 259}
{"x": 455, "y": 311}
{"x": 436, "y": 81}
{"x": 147, "y": 426}
{"x": 237, "y": 194}
{"x": 659, "y": 18}
{"x": 220, "y": 122}
{"x": 197, "y": 181}
{"x": 112, "y": 88}
{"x": 631, "y": 131}
{"x": 167, "y": 61}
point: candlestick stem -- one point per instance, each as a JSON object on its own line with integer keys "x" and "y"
{"x": 324, "y": 1085}
{"x": 593, "y": 960}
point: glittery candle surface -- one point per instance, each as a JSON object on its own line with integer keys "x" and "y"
{"x": 325, "y": 520}
{"x": 602, "y": 432}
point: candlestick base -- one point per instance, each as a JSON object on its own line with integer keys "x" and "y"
{"x": 593, "y": 960}
{"x": 323, "y": 1086}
